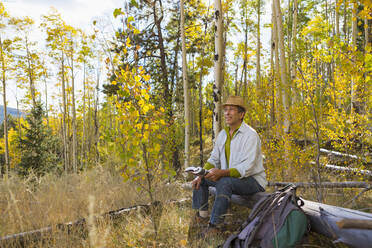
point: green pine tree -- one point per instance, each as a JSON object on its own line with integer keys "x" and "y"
{"x": 39, "y": 146}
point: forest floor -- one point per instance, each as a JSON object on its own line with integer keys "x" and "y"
{"x": 26, "y": 204}
{"x": 31, "y": 203}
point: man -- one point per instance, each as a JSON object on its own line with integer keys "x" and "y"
{"x": 235, "y": 166}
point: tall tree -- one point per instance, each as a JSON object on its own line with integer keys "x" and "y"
{"x": 28, "y": 61}
{"x": 258, "y": 49}
{"x": 71, "y": 57}
{"x": 283, "y": 68}
{"x": 218, "y": 67}
{"x": 185, "y": 88}
{"x": 57, "y": 42}
{"x": 293, "y": 46}
{"x": 85, "y": 55}
{"x": 5, "y": 58}
{"x": 39, "y": 146}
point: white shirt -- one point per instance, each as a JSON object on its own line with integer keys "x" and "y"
{"x": 245, "y": 154}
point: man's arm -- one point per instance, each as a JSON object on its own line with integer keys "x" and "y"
{"x": 215, "y": 174}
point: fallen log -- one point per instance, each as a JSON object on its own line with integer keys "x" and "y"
{"x": 323, "y": 219}
{"x": 24, "y": 238}
{"x": 349, "y": 184}
{"x": 353, "y": 223}
{"x": 348, "y": 169}
{"x": 340, "y": 154}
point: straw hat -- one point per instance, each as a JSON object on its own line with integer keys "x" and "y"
{"x": 236, "y": 101}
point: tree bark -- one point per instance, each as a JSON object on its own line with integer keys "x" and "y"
{"x": 354, "y": 27}
{"x": 294, "y": 34}
{"x": 344, "y": 28}
{"x": 337, "y": 17}
{"x": 366, "y": 34}
{"x": 245, "y": 63}
{"x": 258, "y": 60}
{"x": 74, "y": 131}
{"x": 283, "y": 68}
{"x": 64, "y": 124}
{"x": 3, "y": 79}
{"x": 96, "y": 119}
{"x": 83, "y": 138}
{"x": 163, "y": 61}
{"x": 30, "y": 74}
{"x": 45, "y": 76}
{"x": 185, "y": 89}
{"x": 218, "y": 68}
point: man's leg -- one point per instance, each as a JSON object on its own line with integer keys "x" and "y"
{"x": 227, "y": 186}
{"x": 200, "y": 196}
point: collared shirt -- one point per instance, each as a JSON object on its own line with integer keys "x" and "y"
{"x": 245, "y": 154}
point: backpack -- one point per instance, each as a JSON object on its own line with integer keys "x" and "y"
{"x": 277, "y": 220}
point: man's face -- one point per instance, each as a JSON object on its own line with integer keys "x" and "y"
{"x": 232, "y": 115}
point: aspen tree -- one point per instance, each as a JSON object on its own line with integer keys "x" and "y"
{"x": 200, "y": 90}
{"x": 218, "y": 67}
{"x": 5, "y": 58}
{"x": 56, "y": 39}
{"x": 258, "y": 55}
{"x": 283, "y": 68}
{"x": 276, "y": 69}
{"x": 294, "y": 34}
{"x": 337, "y": 17}
{"x": 71, "y": 50}
{"x": 185, "y": 89}
{"x": 354, "y": 31}
{"x": 29, "y": 64}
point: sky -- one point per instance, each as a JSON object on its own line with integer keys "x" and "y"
{"x": 80, "y": 14}
{"x": 77, "y": 13}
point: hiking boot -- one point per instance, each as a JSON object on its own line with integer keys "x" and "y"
{"x": 198, "y": 220}
{"x": 197, "y": 225}
{"x": 212, "y": 231}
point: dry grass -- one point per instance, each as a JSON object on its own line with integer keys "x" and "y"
{"x": 31, "y": 203}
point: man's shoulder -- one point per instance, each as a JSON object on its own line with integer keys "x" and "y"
{"x": 245, "y": 128}
{"x": 222, "y": 134}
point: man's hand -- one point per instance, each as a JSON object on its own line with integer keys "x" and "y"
{"x": 215, "y": 174}
{"x": 196, "y": 182}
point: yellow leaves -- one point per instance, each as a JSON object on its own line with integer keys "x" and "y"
{"x": 137, "y": 78}
{"x": 113, "y": 82}
{"x": 127, "y": 43}
{"x": 146, "y": 77}
{"x": 183, "y": 243}
{"x": 146, "y": 108}
{"x": 146, "y": 136}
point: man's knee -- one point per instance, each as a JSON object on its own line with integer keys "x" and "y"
{"x": 224, "y": 184}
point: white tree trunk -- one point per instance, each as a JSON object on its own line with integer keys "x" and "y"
{"x": 218, "y": 67}
{"x": 354, "y": 45}
{"x": 294, "y": 34}
{"x": 366, "y": 35}
{"x": 64, "y": 124}
{"x": 3, "y": 79}
{"x": 185, "y": 89}
{"x": 83, "y": 139}
{"x": 74, "y": 131}
{"x": 337, "y": 10}
{"x": 283, "y": 71}
{"x": 258, "y": 62}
